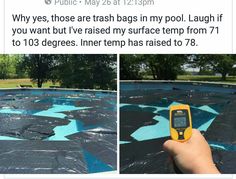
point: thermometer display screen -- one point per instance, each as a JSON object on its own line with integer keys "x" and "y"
{"x": 180, "y": 122}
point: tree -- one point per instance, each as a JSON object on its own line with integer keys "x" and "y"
{"x": 86, "y": 71}
{"x": 222, "y": 64}
{"x": 20, "y": 71}
{"x": 38, "y": 67}
{"x": 130, "y": 67}
{"x": 200, "y": 61}
{"x": 103, "y": 70}
{"x": 8, "y": 66}
{"x": 164, "y": 67}
{"x": 71, "y": 71}
{"x": 4, "y": 66}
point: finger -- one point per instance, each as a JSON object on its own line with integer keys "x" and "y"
{"x": 172, "y": 147}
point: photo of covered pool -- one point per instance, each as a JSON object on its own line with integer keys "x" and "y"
{"x": 144, "y": 122}
{"x": 57, "y": 131}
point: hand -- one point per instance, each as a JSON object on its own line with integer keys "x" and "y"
{"x": 193, "y": 156}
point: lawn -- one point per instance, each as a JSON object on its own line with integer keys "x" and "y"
{"x": 206, "y": 78}
{"x": 229, "y": 79}
{"x": 13, "y": 83}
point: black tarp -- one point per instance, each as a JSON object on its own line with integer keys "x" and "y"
{"x": 28, "y": 126}
{"x": 148, "y": 156}
{"x": 50, "y": 131}
{"x": 41, "y": 157}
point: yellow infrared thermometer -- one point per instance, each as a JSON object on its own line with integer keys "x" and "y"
{"x": 180, "y": 123}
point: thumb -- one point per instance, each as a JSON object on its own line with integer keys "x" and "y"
{"x": 172, "y": 147}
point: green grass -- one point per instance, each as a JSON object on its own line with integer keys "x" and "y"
{"x": 13, "y": 83}
{"x": 206, "y": 78}
{"x": 229, "y": 79}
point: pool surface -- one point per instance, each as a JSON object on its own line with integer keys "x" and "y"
{"x": 144, "y": 122}
{"x": 57, "y": 131}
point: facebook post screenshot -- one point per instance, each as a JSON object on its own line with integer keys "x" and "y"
{"x": 117, "y": 89}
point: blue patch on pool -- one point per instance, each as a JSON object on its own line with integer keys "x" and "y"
{"x": 59, "y": 106}
{"x": 57, "y": 111}
{"x": 65, "y": 115}
{"x": 222, "y": 146}
{"x": 161, "y": 129}
{"x": 94, "y": 164}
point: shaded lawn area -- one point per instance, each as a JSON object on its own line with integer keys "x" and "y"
{"x": 229, "y": 79}
{"x": 13, "y": 83}
{"x": 207, "y": 78}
